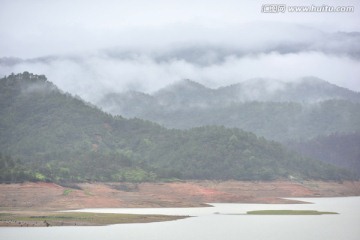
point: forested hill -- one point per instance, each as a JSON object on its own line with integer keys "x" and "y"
{"x": 275, "y": 110}
{"x": 51, "y": 135}
{"x": 342, "y": 150}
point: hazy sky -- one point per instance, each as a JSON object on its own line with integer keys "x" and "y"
{"x": 92, "y": 47}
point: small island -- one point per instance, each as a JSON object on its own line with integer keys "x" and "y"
{"x": 288, "y": 212}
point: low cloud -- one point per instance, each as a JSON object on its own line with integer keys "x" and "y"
{"x": 94, "y": 75}
{"x": 145, "y": 52}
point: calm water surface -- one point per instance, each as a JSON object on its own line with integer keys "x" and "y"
{"x": 223, "y": 221}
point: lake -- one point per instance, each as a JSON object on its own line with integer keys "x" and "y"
{"x": 223, "y": 221}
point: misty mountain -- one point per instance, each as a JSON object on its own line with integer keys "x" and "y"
{"x": 185, "y": 94}
{"x": 273, "y": 109}
{"x": 342, "y": 150}
{"x": 245, "y": 53}
{"x": 51, "y": 135}
{"x": 131, "y": 104}
{"x": 305, "y": 90}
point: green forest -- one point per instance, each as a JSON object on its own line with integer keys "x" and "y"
{"x": 50, "y": 135}
{"x": 340, "y": 149}
{"x": 297, "y": 112}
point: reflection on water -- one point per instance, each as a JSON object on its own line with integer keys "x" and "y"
{"x": 209, "y": 225}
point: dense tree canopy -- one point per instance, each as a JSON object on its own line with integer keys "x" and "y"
{"x": 340, "y": 149}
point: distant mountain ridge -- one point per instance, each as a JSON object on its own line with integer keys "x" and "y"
{"x": 273, "y": 109}
{"x": 305, "y": 90}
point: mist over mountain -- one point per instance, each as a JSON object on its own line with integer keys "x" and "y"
{"x": 270, "y": 108}
{"x": 58, "y": 137}
{"x": 305, "y": 90}
{"x": 247, "y": 53}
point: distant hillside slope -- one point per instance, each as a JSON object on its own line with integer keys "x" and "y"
{"x": 275, "y": 110}
{"x": 342, "y": 150}
{"x": 60, "y": 138}
{"x": 305, "y": 90}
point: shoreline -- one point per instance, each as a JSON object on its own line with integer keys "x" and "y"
{"x": 59, "y": 219}
{"x": 38, "y": 204}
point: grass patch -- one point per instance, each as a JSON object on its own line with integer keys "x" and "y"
{"x": 78, "y": 219}
{"x": 288, "y": 212}
{"x": 67, "y": 192}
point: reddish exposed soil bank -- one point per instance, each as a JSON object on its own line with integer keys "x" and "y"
{"x": 50, "y": 196}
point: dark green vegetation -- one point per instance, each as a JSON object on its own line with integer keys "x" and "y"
{"x": 274, "y": 110}
{"x": 342, "y": 150}
{"x": 77, "y": 218}
{"x": 288, "y": 212}
{"x": 13, "y": 170}
{"x": 60, "y": 138}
